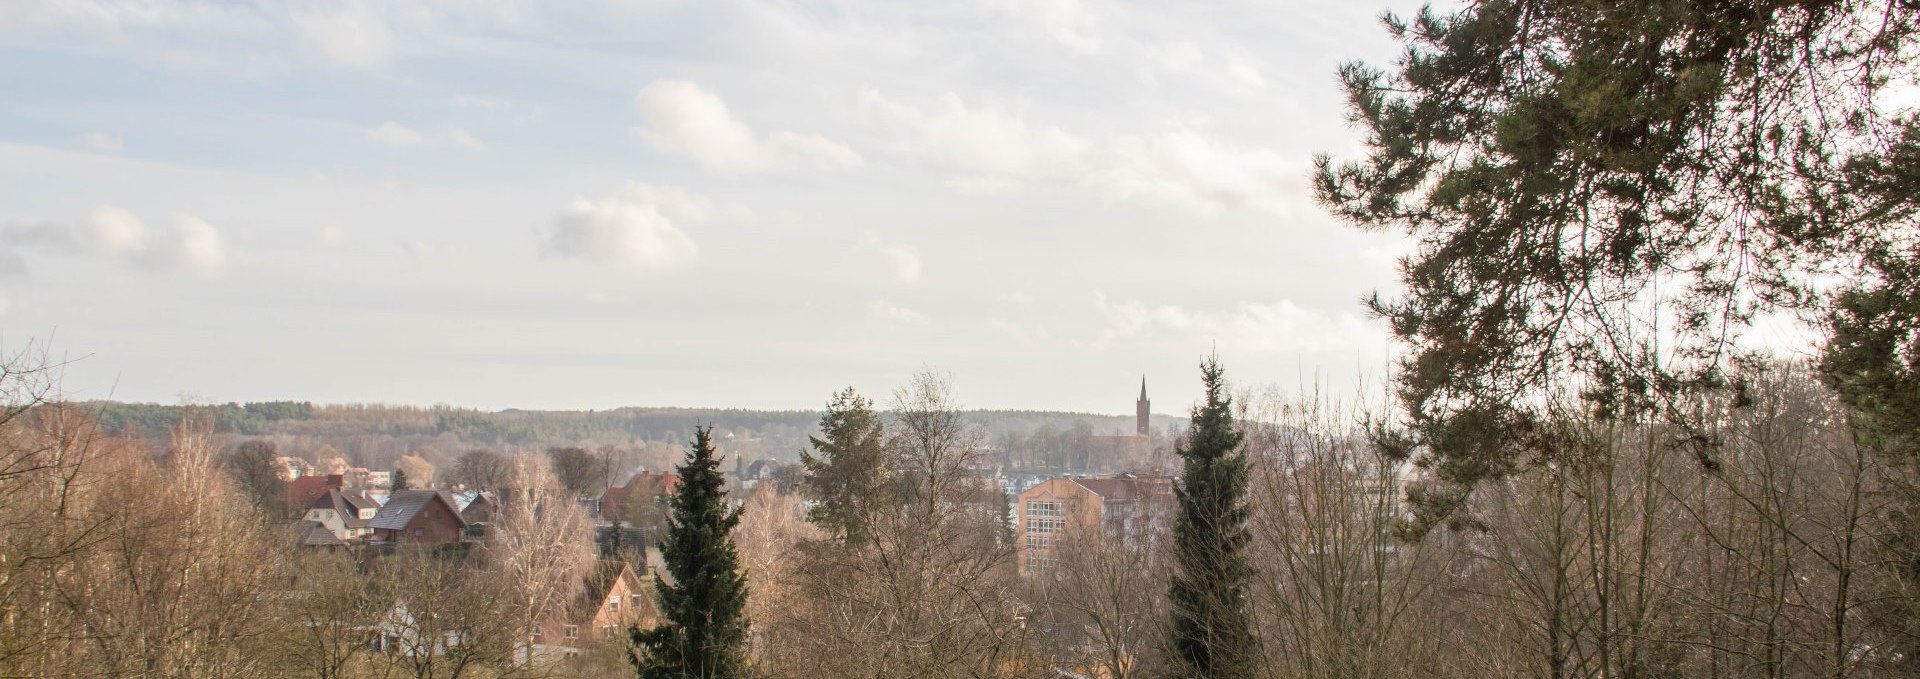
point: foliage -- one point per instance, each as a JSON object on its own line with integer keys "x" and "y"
{"x": 845, "y": 475}
{"x": 703, "y": 632}
{"x": 1211, "y": 635}
{"x": 1605, "y": 196}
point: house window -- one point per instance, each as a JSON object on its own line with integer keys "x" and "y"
{"x": 534, "y": 632}
{"x": 570, "y": 631}
{"x": 419, "y": 532}
{"x": 606, "y": 632}
{"x": 613, "y": 604}
{"x": 1049, "y": 509}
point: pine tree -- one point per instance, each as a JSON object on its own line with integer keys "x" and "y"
{"x": 1212, "y": 635}
{"x": 1606, "y": 195}
{"x": 704, "y": 629}
{"x": 846, "y": 476}
{"x": 400, "y": 481}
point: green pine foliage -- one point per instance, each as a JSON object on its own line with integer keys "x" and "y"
{"x": 704, "y": 627}
{"x": 846, "y": 471}
{"x": 1605, "y": 196}
{"x": 1212, "y": 635}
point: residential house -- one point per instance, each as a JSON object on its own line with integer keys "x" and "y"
{"x": 477, "y": 506}
{"x": 304, "y": 491}
{"x": 316, "y": 534}
{"x": 418, "y": 517}
{"x": 346, "y": 514}
{"x": 612, "y": 599}
{"x": 1066, "y": 508}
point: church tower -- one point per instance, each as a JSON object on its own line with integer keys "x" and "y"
{"x": 1141, "y": 409}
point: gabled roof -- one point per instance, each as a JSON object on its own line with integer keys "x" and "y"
{"x": 403, "y": 505}
{"x": 360, "y": 500}
{"x": 315, "y": 534}
{"x": 600, "y": 581}
{"x": 303, "y": 491}
{"x": 347, "y": 505}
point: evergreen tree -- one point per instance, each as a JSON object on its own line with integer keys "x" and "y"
{"x": 846, "y": 476}
{"x": 400, "y": 481}
{"x": 1212, "y": 634}
{"x": 703, "y": 632}
{"x": 1607, "y": 195}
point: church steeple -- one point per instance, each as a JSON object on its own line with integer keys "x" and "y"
{"x": 1142, "y": 409}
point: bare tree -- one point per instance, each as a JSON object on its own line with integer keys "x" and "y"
{"x": 329, "y": 613}
{"x": 482, "y": 469}
{"x": 542, "y": 545}
{"x": 577, "y": 469}
{"x": 446, "y": 622}
{"x": 932, "y": 592}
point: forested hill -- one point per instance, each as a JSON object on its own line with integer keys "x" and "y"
{"x": 374, "y": 434}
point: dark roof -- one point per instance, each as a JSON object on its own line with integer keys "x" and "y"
{"x": 347, "y": 505}
{"x": 313, "y": 534}
{"x": 403, "y": 505}
{"x": 360, "y": 500}
{"x": 480, "y": 508}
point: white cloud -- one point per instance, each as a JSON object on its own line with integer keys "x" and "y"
{"x": 352, "y": 34}
{"x": 1276, "y": 329}
{"x": 1218, "y": 69}
{"x": 396, "y": 135}
{"x": 985, "y": 144}
{"x": 1066, "y": 21}
{"x": 990, "y": 148}
{"x": 897, "y": 315}
{"x": 1017, "y": 297}
{"x": 463, "y": 139}
{"x": 681, "y": 118}
{"x": 117, "y": 232}
{"x": 332, "y": 235}
{"x": 101, "y": 141}
{"x": 619, "y": 230}
{"x": 902, "y": 258}
{"x": 682, "y": 205}
{"x": 193, "y": 245}
{"x": 1185, "y": 169}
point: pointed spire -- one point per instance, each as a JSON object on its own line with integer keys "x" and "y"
{"x": 1143, "y": 387}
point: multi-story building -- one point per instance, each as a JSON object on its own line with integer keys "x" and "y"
{"x": 1058, "y": 510}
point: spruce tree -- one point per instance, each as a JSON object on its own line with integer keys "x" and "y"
{"x": 846, "y": 474}
{"x": 1212, "y": 636}
{"x": 704, "y": 628}
{"x": 400, "y": 481}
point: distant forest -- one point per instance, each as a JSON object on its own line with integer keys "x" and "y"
{"x": 374, "y": 435}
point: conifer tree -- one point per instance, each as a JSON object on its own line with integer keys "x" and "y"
{"x": 1211, "y": 632}
{"x": 846, "y": 475}
{"x": 400, "y": 481}
{"x": 703, "y": 632}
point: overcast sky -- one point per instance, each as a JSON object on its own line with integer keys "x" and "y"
{"x": 704, "y": 203}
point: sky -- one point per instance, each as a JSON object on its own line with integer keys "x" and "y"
{"x": 715, "y": 203}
